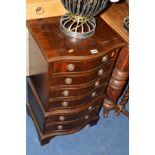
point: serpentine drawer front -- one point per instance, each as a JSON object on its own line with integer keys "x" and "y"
{"x": 68, "y": 78}
{"x": 85, "y": 65}
{"x": 81, "y": 78}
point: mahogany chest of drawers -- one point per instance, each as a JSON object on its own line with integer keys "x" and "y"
{"x": 68, "y": 77}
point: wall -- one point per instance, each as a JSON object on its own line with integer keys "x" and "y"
{"x": 41, "y": 9}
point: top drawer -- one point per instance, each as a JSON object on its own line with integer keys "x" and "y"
{"x": 83, "y": 65}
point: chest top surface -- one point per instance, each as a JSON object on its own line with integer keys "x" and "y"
{"x": 53, "y": 43}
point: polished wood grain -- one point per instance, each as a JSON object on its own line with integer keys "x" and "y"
{"x": 114, "y": 17}
{"x": 84, "y": 100}
{"x": 77, "y": 91}
{"x": 74, "y": 124}
{"x": 68, "y": 82}
{"x": 86, "y": 65}
{"x": 43, "y": 119}
{"x": 82, "y": 78}
{"x": 45, "y": 138}
{"x": 121, "y": 106}
{"x": 58, "y": 46}
{"x": 117, "y": 82}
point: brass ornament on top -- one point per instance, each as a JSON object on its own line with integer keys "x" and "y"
{"x": 80, "y": 22}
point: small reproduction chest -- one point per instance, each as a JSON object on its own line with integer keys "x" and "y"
{"x": 68, "y": 77}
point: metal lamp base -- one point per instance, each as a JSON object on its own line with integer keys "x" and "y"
{"x": 77, "y": 26}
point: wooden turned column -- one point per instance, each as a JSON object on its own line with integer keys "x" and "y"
{"x": 118, "y": 80}
{"x": 121, "y": 107}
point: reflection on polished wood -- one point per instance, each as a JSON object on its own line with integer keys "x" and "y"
{"x": 114, "y": 17}
{"x": 66, "y": 89}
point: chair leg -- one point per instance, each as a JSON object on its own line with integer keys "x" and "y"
{"x": 121, "y": 107}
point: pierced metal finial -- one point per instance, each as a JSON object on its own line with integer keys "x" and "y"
{"x": 80, "y": 22}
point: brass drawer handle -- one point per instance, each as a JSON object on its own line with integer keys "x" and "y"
{"x": 93, "y": 94}
{"x": 59, "y": 127}
{"x": 68, "y": 81}
{"x": 86, "y": 117}
{"x": 100, "y": 72}
{"x": 70, "y": 67}
{"x": 65, "y": 104}
{"x": 97, "y": 83}
{"x": 65, "y": 93}
{"x": 90, "y": 108}
{"x": 105, "y": 58}
{"x": 62, "y": 118}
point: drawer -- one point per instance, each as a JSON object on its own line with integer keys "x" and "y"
{"x": 83, "y": 65}
{"x": 64, "y": 115}
{"x": 70, "y": 125}
{"x": 76, "y": 79}
{"x": 68, "y": 92}
{"x": 78, "y": 90}
{"x": 73, "y": 102}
